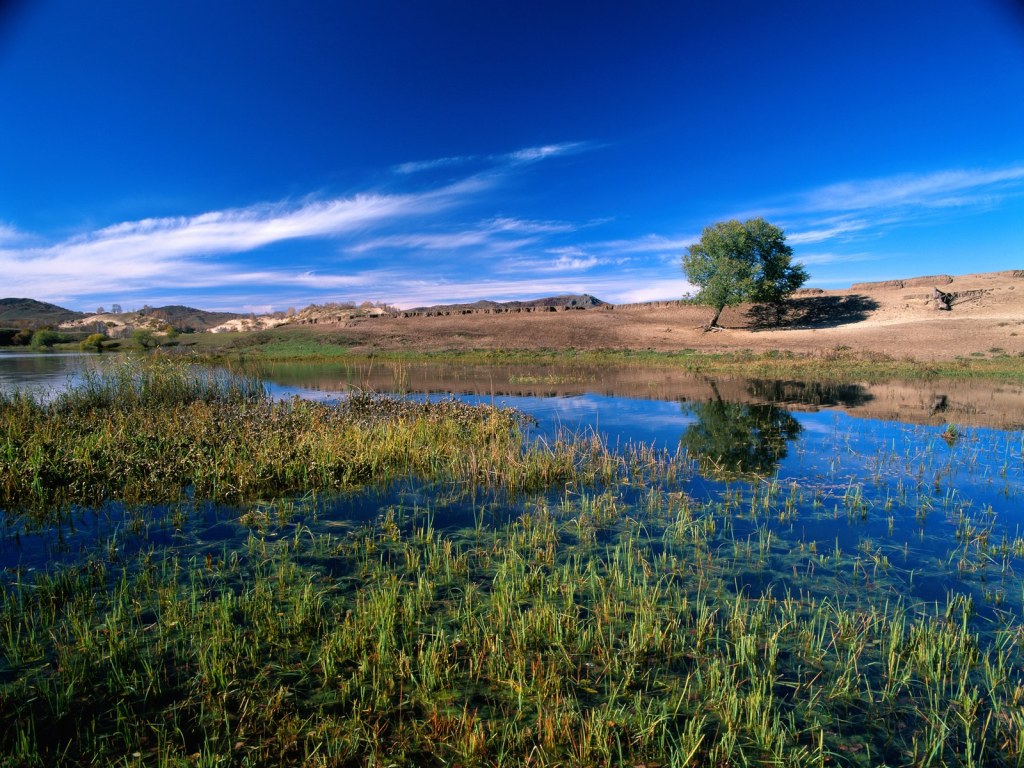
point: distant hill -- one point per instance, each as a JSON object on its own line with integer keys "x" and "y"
{"x": 29, "y": 313}
{"x": 190, "y": 319}
{"x": 23, "y": 313}
{"x": 185, "y": 319}
{"x": 578, "y": 301}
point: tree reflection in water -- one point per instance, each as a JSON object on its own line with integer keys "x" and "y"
{"x": 738, "y": 440}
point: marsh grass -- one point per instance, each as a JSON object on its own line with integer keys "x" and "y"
{"x": 839, "y": 364}
{"x": 597, "y": 608}
{"x": 157, "y": 431}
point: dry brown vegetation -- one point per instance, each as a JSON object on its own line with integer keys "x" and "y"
{"x": 895, "y": 318}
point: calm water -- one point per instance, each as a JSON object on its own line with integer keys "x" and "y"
{"x": 45, "y": 374}
{"x": 853, "y": 500}
{"x": 900, "y": 498}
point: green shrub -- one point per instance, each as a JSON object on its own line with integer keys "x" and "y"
{"x": 45, "y": 339}
{"x": 145, "y": 338}
{"x": 92, "y": 343}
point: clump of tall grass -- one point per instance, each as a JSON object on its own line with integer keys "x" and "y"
{"x": 158, "y": 383}
{"x": 156, "y": 431}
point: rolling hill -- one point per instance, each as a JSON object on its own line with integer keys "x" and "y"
{"x": 29, "y": 313}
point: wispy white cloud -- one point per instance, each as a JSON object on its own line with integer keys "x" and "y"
{"x": 841, "y": 218}
{"x": 430, "y": 165}
{"x": 508, "y": 245}
{"x": 819, "y": 259}
{"x": 661, "y": 290}
{"x": 499, "y": 235}
{"x": 828, "y": 229}
{"x": 516, "y": 157}
{"x": 444, "y": 241}
{"x": 421, "y": 241}
{"x": 566, "y": 259}
{"x": 208, "y": 251}
{"x": 384, "y": 244}
{"x": 238, "y": 230}
{"x": 533, "y": 154}
{"x": 508, "y": 224}
{"x": 648, "y": 244}
{"x": 939, "y": 189}
{"x": 570, "y": 263}
{"x": 138, "y": 253}
{"x": 12, "y": 235}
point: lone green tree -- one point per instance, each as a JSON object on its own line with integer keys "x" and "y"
{"x": 145, "y": 338}
{"x": 735, "y": 262}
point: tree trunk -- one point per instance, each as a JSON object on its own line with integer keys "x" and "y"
{"x": 714, "y": 320}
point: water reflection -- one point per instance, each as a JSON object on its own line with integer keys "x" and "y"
{"x": 966, "y": 403}
{"x": 46, "y": 374}
{"x": 738, "y": 440}
{"x": 817, "y": 393}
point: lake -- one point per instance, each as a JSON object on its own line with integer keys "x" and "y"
{"x": 879, "y": 471}
{"x": 901, "y": 499}
{"x": 43, "y": 373}
{"x": 903, "y": 487}
{"x": 889, "y": 442}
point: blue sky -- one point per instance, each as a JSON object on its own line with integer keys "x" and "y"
{"x": 256, "y": 156}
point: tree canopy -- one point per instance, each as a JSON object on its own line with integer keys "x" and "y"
{"x": 734, "y": 262}
{"x": 145, "y": 338}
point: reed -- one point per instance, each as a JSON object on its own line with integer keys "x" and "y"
{"x": 162, "y": 430}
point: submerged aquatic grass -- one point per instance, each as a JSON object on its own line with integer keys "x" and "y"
{"x": 573, "y": 635}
